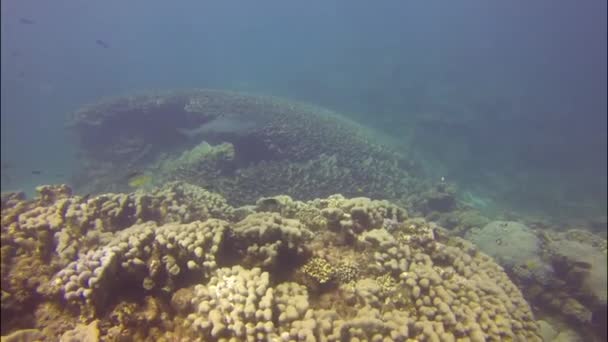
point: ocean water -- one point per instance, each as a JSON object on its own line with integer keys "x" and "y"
{"x": 506, "y": 100}
{"x": 504, "y": 103}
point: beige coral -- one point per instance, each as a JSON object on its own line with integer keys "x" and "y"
{"x": 154, "y": 255}
{"x": 265, "y": 238}
{"x": 410, "y": 281}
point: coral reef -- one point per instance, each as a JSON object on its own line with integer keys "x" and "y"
{"x": 578, "y": 259}
{"x": 277, "y": 153}
{"x": 266, "y": 239}
{"x": 203, "y": 159}
{"x": 440, "y": 198}
{"x": 563, "y": 273}
{"x": 154, "y": 256}
{"x": 236, "y": 302}
{"x": 510, "y": 243}
{"x": 319, "y": 270}
{"x": 178, "y": 264}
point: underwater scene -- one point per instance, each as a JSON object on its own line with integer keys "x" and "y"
{"x": 304, "y": 171}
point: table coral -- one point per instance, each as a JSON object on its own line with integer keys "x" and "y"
{"x": 289, "y": 148}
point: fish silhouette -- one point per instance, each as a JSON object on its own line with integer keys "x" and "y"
{"x": 102, "y": 43}
{"x": 225, "y": 124}
{"x": 26, "y": 21}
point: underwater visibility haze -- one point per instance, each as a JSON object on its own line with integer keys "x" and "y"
{"x": 302, "y": 171}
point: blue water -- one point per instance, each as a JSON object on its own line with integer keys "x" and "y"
{"x": 505, "y": 99}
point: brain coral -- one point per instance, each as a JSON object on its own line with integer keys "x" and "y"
{"x": 239, "y": 279}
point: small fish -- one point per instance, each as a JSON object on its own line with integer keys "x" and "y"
{"x": 499, "y": 241}
{"x": 36, "y": 172}
{"x": 102, "y": 43}
{"x": 138, "y": 179}
{"x": 531, "y": 264}
{"x": 26, "y": 21}
{"x": 86, "y": 197}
